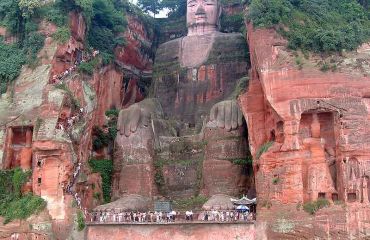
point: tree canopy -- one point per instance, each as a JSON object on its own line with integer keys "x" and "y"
{"x": 151, "y": 6}
{"x": 316, "y": 25}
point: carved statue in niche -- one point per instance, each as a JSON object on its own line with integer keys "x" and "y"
{"x": 319, "y": 182}
{"x": 357, "y": 183}
{"x": 193, "y": 95}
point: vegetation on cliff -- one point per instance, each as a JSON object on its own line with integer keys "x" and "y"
{"x": 105, "y": 168}
{"x": 13, "y": 203}
{"x": 20, "y": 19}
{"x": 319, "y": 26}
{"x": 80, "y": 221}
{"x": 313, "y": 207}
{"x": 105, "y": 24}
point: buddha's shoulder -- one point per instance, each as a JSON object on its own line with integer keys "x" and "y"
{"x": 230, "y": 39}
{"x": 169, "y": 51}
{"x": 228, "y": 47}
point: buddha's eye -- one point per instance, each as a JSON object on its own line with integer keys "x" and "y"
{"x": 209, "y": 2}
{"x": 191, "y": 3}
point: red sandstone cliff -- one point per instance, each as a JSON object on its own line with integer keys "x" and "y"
{"x": 31, "y": 136}
{"x": 318, "y": 123}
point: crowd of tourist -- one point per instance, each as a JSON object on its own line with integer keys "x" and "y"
{"x": 67, "y": 123}
{"x": 227, "y": 216}
{"x": 72, "y": 182}
{"x": 14, "y": 236}
{"x": 113, "y": 216}
{"x": 58, "y": 78}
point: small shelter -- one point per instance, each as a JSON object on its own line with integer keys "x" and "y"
{"x": 244, "y": 201}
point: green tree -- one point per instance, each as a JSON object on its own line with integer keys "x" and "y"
{"x": 106, "y": 24}
{"x": 28, "y": 7}
{"x": 364, "y": 3}
{"x": 153, "y": 6}
{"x": 176, "y": 7}
{"x": 316, "y": 25}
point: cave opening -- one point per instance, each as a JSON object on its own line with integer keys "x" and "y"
{"x": 19, "y": 147}
{"x": 351, "y": 197}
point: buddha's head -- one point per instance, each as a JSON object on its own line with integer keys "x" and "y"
{"x": 202, "y": 16}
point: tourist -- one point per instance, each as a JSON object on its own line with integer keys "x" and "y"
{"x": 15, "y": 236}
{"x": 160, "y": 214}
{"x": 232, "y": 216}
{"x": 174, "y": 215}
{"x": 187, "y": 215}
{"x": 120, "y": 216}
{"x": 114, "y": 216}
{"x": 144, "y": 217}
{"x": 168, "y": 216}
{"x": 101, "y": 217}
{"x": 107, "y": 216}
{"x": 94, "y": 216}
{"x": 222, "y": 216}
{"x": 70, "y": 122}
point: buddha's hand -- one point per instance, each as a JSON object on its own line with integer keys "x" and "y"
{"x": 227, "y": 114}
{"x": 137, "y": 115}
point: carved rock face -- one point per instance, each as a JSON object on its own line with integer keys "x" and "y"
{"x": 202, "y": 16}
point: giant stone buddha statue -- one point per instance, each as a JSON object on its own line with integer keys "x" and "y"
{"x": 188, "y": 136}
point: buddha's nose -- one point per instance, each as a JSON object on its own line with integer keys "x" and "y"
{"x": 200, "y": 10}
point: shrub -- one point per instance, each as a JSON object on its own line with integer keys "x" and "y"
{"x": 299, "y": 62}
{"x": 105, "y": 168}
{"x": 232, "y": 23}
{"x": 21, "y": 208}
{"x": 97, "y": 195}
{"x": 88, "y": 67}
{"x": 243, "y": 161}
{"x": 313, "y": 207}
{"x": 112, "y": 113}
{"x": 266, "y": 204}
{"x": 80, "y": 221}
{"x": 32, "y": 45}
{"x": 322, "y": 203}
{"x": 54, "y": 13}
{"x": 62, "y": 35}
{"x": 14, "y": 205}
{"x": 18, "y": 180}
{"x": 11, "y": 60}
{"x": 275, "y": 180}
{"x": 107, "y": 22}
{"x": 325, "y": 67}
{"x": 264, "y": 148}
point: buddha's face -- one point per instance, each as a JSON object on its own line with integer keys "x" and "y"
{"x": 202, "y": 12}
